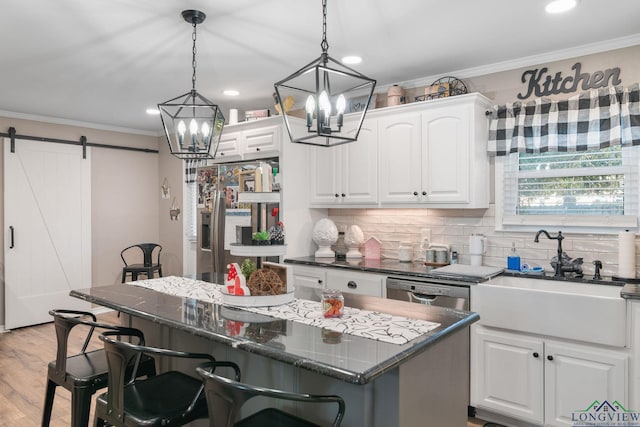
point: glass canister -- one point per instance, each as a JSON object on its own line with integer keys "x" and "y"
{"x": 332, "y": 303}
{"x": 341, "y": 247}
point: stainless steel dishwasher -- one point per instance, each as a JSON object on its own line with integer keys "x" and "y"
{"x": 436, "y": 292}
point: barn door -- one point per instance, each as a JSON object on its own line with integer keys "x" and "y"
{"x": 47, "y": 222}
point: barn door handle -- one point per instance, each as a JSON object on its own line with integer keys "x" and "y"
{"x": 11, "y": 245}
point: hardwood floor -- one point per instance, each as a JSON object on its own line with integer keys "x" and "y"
{"x": 24, "y": 355}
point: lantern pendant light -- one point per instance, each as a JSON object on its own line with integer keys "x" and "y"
{"x": 323, "y": 88}
{"x": 192, "y": 124}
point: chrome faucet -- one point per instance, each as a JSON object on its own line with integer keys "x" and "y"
{"x": 559, "y": 238}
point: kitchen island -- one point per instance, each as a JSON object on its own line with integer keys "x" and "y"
{"x": 420, "y": 382}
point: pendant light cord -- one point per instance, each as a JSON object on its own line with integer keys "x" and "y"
{"x": 193, "y": 61}
{"x": 324, "y": 45}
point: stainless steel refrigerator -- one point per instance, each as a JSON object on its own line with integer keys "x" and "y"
{"x": 219, "y": 214}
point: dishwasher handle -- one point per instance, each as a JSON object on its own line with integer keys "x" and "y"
{"x": 424, "y": 298}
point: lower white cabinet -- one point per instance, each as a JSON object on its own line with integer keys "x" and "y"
{"x": 542, "y": 380}
{"x": 310, "y": 281}
{"x": 355, "y": 282}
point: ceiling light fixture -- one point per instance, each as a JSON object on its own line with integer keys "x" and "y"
{"x": 351, "y": 59}
{"x": 192, "y": 123}
{"x": 324, "y": 86}
{"x": 559, "y": 6}
{"x": 231, "y": 92}
{"x": 153, "y": 111}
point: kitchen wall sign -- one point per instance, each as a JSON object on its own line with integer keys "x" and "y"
{"x": 539, "y": 83}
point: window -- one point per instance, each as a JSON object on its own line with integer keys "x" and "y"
{"x": 595, "y": 188}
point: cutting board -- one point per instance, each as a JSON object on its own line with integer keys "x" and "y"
{"x": 479, "y": 272}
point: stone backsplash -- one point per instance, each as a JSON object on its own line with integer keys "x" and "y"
{"x": 454, "y": 226}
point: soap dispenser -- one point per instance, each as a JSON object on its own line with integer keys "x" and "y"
{"x": 513, "y": 260}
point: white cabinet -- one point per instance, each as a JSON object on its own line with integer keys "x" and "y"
{"x": 436, "y": 155}
{"x": 400, "y": 158}
{"x": 347, "y": 174}
{"x": 250, "y": 140}
{"x": 355, "y": 282}
{"x": 542, "y": 380}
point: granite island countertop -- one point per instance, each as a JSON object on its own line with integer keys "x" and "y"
{"x": 349, "y": 358}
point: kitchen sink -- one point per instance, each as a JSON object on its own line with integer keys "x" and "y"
{"x": 568, "y": 309}
{"x": 550, "y": 276}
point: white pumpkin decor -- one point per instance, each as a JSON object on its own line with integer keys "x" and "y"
{"x": 354, "y": 238}
{"x": 325, "y": 234}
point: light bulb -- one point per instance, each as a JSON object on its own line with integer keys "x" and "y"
{"x": 205, "y": 130}
{"x": 310, "y": 107}
{"x": 324, "y": 103}
{"x": 193, "y": 127}
{"x": 341, "y": 104}
{"x": 182, "y": 128}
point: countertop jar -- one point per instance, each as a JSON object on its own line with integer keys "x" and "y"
{"x": 332, "y": 303}
{"x": 405, "y": 252}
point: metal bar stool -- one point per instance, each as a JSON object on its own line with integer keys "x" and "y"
{"x": 169, "y": 399}
{"x": 84, "y": 373}
{"x": 148, "y": 266}
{"x": 225, "y": 398}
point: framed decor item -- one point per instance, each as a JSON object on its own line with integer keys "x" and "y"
{"x": 360, "y": 103}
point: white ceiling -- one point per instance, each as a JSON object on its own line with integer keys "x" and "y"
{"x": 106, "y": 61}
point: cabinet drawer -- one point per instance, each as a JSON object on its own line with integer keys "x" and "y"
{"x": 309, "y": 282}
{"x": 356, "y": 283}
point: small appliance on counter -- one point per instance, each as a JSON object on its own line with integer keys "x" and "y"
{"x": 477, "y": 248}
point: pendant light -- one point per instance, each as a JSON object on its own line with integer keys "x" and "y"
{"x": 193, "y": 124}
{"x": 323, "y": 88}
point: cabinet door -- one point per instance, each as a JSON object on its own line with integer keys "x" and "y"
{"x": 324, "y": 177}
{"x": 355, "y": 283}
{"x": 229, "y": 147}
{"x": 309, "y": 282}
{"x": 445, "y": 154}
{"x": 360, "y": 165}
{"x": 400, "y": 154}
{"x": 507, "y": 374}
{"x": 576, "y": 376}
{"x": 261, "y": 142}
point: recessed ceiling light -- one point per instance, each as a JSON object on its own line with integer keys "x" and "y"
{"x": 231, "y": 92}
{"x": 352, "y": 59}
{"x": 153, "y": 111}
{"x": 559, "y": 6}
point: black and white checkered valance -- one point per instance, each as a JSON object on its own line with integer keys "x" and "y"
{"x": 190, "y": 169}
{"x": 588, "y": 121}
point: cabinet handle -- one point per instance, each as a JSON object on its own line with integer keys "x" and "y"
{"x": 549, "y": 357}
{"x": 319, "y": 281}
{"x": 12, "y": 244}
{"x": 344, "y": 195}
{"x": 535, "y": 354}
{"x": 424, "y": 193}
{"x": 351, "y": 284}
{"x": 222, "y": 153}
{"x": 258, "y": 149}
{"x": 415, "y": 193}
{"x": 337, "y": 195}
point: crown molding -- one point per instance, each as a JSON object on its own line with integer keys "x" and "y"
{"x": 527, "y": 61}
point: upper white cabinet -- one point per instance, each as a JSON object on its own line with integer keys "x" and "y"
{"x": 425, "y": 154}
{"x": 347, "y": 174}
{"x": 250, "y": 140}
{"x": 436, "y": 155}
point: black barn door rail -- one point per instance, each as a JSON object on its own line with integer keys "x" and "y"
{"x": 83, "y": 143}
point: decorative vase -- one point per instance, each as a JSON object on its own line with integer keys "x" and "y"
{"x": 325, "y": 234}
{"x": 354, "y": 238}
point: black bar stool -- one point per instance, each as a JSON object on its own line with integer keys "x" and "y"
{"x": 148, "y": 265}
{"x": 225, "y": 398}
{"x": 169, "y": 399}
{"x": 84, "y": 373}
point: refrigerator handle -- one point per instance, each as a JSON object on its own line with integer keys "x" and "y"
{"x": 218, "y": 232}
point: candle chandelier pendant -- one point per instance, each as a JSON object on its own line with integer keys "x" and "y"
{"x": 324, "y": 87}
{"x": 193, "y": 124}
